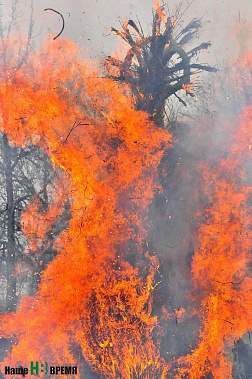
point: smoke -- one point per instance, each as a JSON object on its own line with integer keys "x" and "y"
{"x": 89, "y": 23}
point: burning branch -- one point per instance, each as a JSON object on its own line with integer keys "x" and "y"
{"x": 75, "y": 125}
{"x": 149, "y": 66}
{"x": 231, "y": 282}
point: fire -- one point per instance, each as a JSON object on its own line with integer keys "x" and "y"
{"x": 187, "y": 88}
{"x": 37, "y": 222}
{"x": 95, "y": 298}
{"x": 160, "y": 13}
{"x": 220, "y": 268}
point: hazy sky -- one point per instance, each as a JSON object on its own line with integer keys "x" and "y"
{"x": 88, "y": 23}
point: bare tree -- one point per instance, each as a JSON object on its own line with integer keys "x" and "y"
{"x": 158, "y": 66}
{"x": 25, "y": 174}
{"x": 11, "y": 299}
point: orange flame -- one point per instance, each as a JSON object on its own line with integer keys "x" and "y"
{"x": 90, "y": 299}
{"x": 220, "y": 264}
{"x": 160, "y": 12}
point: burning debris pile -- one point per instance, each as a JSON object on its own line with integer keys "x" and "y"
{"x": 95, "y": 303}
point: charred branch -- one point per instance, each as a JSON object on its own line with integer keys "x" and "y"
{"x": 75, "y": 125}
{"x": 231, "y": 282}
{"x": 11, "y": 298}
{"x": 157, "y": 66}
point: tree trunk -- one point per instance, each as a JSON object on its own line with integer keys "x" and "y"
{"x": 11, "y": 297}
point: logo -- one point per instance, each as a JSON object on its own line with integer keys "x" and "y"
{"x": 38, "y": 369}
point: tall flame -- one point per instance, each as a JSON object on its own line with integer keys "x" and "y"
{"x": 220, "y": 268}
{"x": 91, "y": 300}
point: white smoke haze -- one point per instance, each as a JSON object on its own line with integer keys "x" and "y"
{"x": 88, "y": 23}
